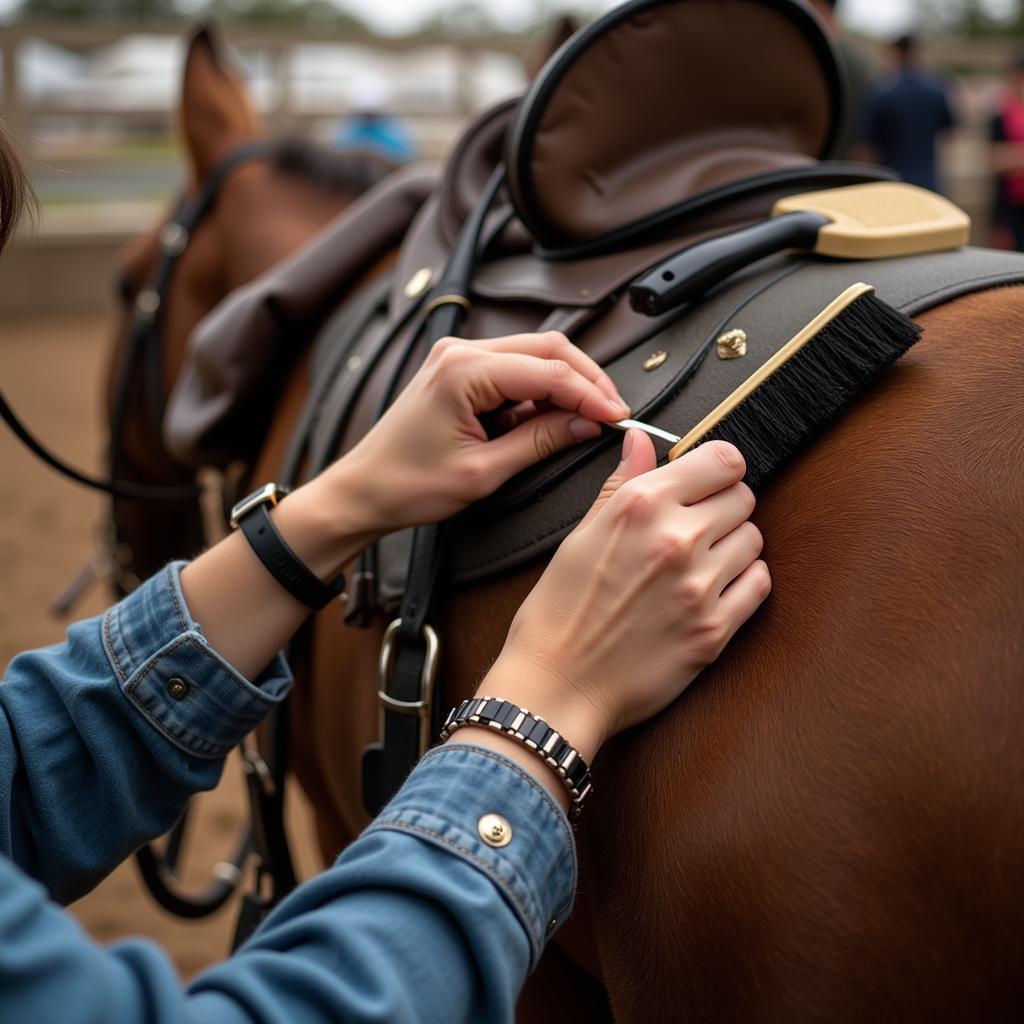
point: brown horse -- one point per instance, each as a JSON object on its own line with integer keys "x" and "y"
{"x": 829, "y": 825}
{"x": 266, "y": 207}
{"x": 837, "y": 827}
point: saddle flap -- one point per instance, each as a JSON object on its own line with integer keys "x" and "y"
{"x": 661, "y": 100}
{"x": 770, "y": 303}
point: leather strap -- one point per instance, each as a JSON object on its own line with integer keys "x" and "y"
{"x": 283, "y": 564}
{"x": 409, "y": 665}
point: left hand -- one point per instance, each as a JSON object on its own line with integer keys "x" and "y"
{"x": 429, "y": 455}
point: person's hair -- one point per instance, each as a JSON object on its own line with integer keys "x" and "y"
{"x": 905, "y": 46}
{"x": 15, "y": 191}
{"x": 1017, "y": 63}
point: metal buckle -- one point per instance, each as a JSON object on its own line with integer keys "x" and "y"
{"x": 268, "y": 494}
{"x": 413, "y": 708}
{"x": 254, "y": 767}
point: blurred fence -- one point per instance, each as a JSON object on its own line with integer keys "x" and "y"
{"x": 96, "y": 194}
{"x": 76, "y": 244}
{"x": 273, "y": 49}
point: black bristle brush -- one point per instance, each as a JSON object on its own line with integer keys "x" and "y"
{"x": 808, "y": 382}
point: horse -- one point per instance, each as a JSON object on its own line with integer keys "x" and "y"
{"x": 829, "y": 824}
{"x": 254, "y": 201}
{"x": 838, "y": 823}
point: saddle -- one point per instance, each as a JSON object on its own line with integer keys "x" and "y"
{"x": 664, "y": 123}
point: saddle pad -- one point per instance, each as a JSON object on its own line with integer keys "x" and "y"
{"x": 770, "y": 302}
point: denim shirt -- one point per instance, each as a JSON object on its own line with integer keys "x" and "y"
{"x": 102, "y": 740}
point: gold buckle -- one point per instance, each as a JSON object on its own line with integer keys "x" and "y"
{"x": 413, "y": 708}
{"x": 448, "y": 300}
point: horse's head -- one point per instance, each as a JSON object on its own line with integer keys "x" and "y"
{"x": 261, "y": 200}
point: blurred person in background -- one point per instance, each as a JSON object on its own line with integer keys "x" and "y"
{"x": 1006, "y": 132}
{"x": 857, "y": 70}
{"x": 371, "y": 128}
{"x": 907, "y": 113}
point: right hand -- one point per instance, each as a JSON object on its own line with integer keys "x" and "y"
{"x": 640, "y": 597}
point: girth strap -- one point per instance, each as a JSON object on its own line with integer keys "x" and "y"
{"x": 410, "y": 652}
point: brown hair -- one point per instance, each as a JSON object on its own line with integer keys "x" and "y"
{"x": 15, "y": 191}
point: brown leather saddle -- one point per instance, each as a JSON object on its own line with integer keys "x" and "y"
{"x": 663, "y": 123}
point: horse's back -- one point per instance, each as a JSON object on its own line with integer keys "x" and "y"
{"x": 830, "y": 825}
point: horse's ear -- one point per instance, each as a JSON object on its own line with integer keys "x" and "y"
{"x": 217, "y": 114}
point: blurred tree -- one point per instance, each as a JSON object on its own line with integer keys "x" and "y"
{"x": 477, "y": 17}
{"x": 322, "y": 13}
{"x": 970, "y": 18}
{"x": 461, "y": 17}
{"x": 118, "y": 10}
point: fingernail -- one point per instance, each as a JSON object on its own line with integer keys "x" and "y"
{"x": 583, "y": 429}
{"x": 619, "y": 408}
{"x": 627, "y": 443}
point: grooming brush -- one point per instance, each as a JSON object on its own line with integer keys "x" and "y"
{"x": 860, "y": 222}
{"x": 806, "y": 383}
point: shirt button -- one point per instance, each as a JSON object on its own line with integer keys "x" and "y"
{"x": 177, "y": 688}
{"x": 494, "y": 830}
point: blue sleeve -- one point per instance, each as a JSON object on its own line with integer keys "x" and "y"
{"x": 420, "y": 920}
{"x": 104, "y": 737}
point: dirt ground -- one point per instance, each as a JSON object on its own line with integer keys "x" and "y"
{"x": 52, "y": 370}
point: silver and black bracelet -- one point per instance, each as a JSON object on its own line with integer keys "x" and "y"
{"x": 510, "y": 719}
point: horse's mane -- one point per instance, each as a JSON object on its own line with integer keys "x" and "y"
{"x": 346, "y": 172}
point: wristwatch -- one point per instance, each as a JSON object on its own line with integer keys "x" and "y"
{"x": 251, "y": 515}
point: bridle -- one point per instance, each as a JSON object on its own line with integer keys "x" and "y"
{"x": 145, "y": 332}
{"x": 143, "y": 341}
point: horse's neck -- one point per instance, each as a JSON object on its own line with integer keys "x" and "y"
{"x": 839, "y": 798}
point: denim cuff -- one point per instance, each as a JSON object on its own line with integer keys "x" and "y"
{"x": 183, "y": 687}
{"x": 443, "y": 801}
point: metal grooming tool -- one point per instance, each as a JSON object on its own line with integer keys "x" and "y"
{"x": 663, "y": 435}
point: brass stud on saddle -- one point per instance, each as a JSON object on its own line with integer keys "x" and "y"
{"x": 732, "y": 344}
{"x": 655, "y": 359}
{"x": 418, "y": 283}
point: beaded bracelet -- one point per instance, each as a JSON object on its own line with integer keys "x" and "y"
{"x": 533, "y": 732}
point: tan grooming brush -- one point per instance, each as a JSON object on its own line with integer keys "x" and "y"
{"x": 806, "y": 384}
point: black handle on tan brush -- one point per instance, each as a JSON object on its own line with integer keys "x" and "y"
{"x": 696, "y": 270}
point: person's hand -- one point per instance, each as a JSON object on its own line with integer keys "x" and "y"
{"x": 638, "y": 599}
{"x": 430, "y": 456}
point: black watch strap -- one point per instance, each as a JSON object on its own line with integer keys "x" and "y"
{"x": 282, "y": 563}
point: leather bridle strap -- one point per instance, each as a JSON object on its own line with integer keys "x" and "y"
{"x": 144, "y": 333}
{"x": 142, "y": 338}
{"x": 410, "y": 652}
{"x": 117, "y": 488}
